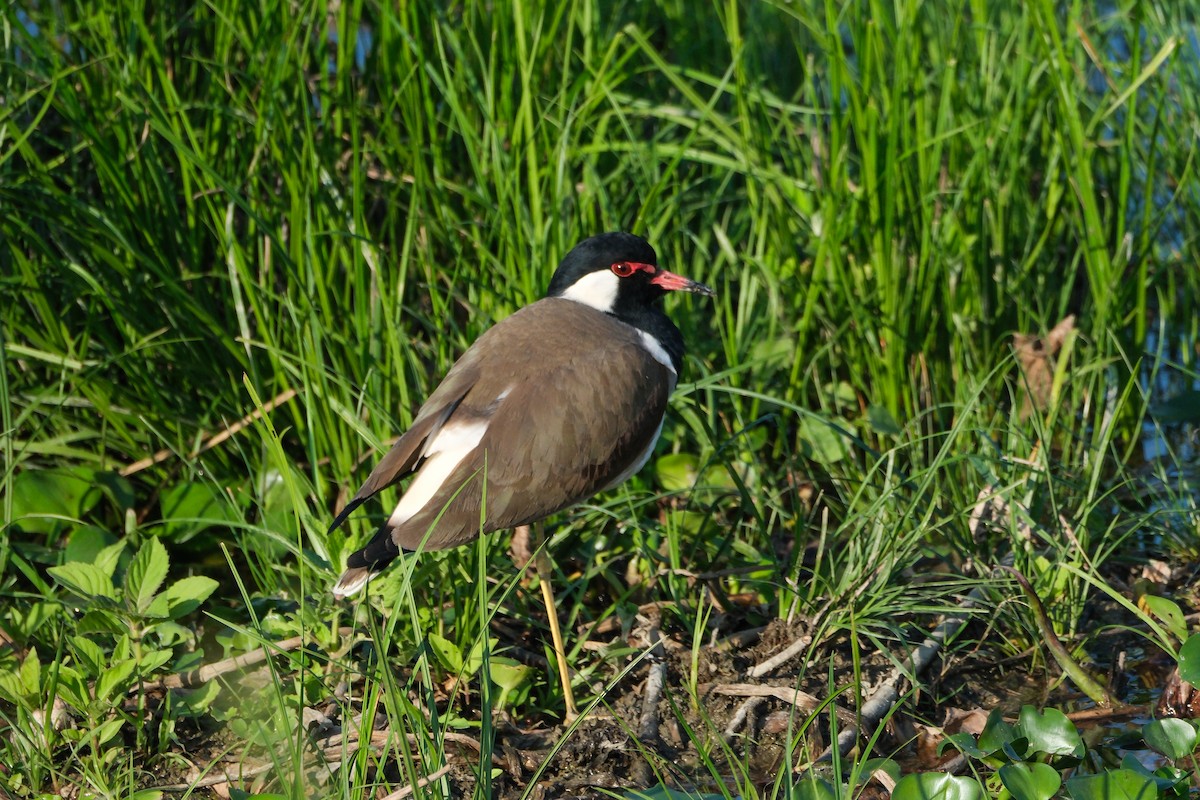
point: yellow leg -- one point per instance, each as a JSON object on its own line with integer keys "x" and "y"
{"x": 544, "y": 572}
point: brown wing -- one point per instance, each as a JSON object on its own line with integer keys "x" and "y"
{"x": 566, "y": 416}
{"x": 406, "y": 453}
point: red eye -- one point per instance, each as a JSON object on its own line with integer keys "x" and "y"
{"x": 622, "y": 270}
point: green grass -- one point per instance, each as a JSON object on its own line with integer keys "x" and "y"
{"x": 203, "y": 212}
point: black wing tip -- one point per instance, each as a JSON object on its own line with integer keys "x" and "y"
{"x": 344, "y": 514}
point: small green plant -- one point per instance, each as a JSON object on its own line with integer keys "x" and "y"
{"x": 1029, "y": 759}
{"x": 127, "y": 630}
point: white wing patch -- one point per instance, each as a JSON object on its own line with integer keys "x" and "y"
{"x": 654, "y": 346}
{"x": 443, "y": 453}
{"x": 596, "y": 289}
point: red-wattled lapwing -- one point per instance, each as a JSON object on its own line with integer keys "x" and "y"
{"x": 561, "y": 400}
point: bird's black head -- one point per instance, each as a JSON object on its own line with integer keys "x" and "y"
{"x": 617, "y": 273}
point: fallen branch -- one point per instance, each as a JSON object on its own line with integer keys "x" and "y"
{"x": 216, "y": 439}
{"x": 400, "y": 794}
{"x": 888, "y": 693}
{"x": 187, "y": 680}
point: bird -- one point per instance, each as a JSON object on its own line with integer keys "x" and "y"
{"x": 558, "y": 402}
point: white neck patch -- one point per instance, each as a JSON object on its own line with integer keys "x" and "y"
{"x": 596, "y": 289}
{"x": 659, "y": 352}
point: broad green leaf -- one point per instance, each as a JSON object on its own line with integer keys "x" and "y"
{"x": 1189, "y": 660}
{"x": 1050, "y": 732}
{"x": 12, "y": 688}
{"x": 86, "y": 542}
{"x": 1166, "y": 777}
{"x": 109, "y": 558}
{"x": 996, "y": 733}
{"x": 182, "y": 597}
{"x": 446, "y": 652}
{"x": 677, "y": 471}
{"x": 810, "y": 787}
{"x": 664, "y": 793}
{"x": 936, "y": 786}
{"x": 72, "y": 687}
{"x": 98, "y": 620}
{"x": 888, "y": 766}
{"x": 146, "y": 573}
{"x": 1030, "y": 780}
{"x": 118, "y": 488}
{"x": 31, "y": 675}
{"x": 188, "y": 508}
{"x": 1168, "y": 611}
{"x": 154, "y": 660}
{"x": 826, "y": 445}
{"x": 1174, "y": 738}
{"x": 689, "y": 522}
{"x": 108, "y": 731}
{"x": 86, "y": 580}
{"x": 1117, "y": 784}
{"x": 882, "y": 421}
{"x": 89, "y": 655}
{"x": 42, "y": 498}
{"x": 196, "y": 702}
{"x": 842, "y": 394}
{"x": 964, "y": 743}
{"x": 116, "y": 680}
{"x": 508, "y": 674}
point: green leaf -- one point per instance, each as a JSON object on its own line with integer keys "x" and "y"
{"x": 11, "y": 687}
{"x": 184, "y": 596}
{"x": 810, "y": 787}
{"x": 108, "y": 731}
{"x": 146, "y": 573}
{"x": 826, "y": 444}
{"x": 964, "y": 743}
{"x": 508, "y": 673}
{"x": 86, "y": 580}
{"x": 1168, "y": 611}
{"x": 89, "y": 655}
{"x": 936, "y": 786}
{"x": 153, "y": 661}
{"x": 1174, "y": 738}
{"x": 43, "y": 498}
{"x": 86, "y": 542}
{"x": 1030, "y": 780}
{"x": 677, "y": 471}
{"x": 188, "y": 508}
{"x": 196, "y": 702}
{"x": 98, "y": 620}
{"x": 446, "y": 652}
{"x": 115, "y": 681}
{"x": 118, "y": 488}
{"x": 108, "y": 558}
{"x": 1189, "y": 660}
{"x": 1050, "y": 731}
{"x": 1117, "y": 784}
{"x": 31, "y": 675}
{"x": 882, "y": 421}
{"x": 664, "y": 793}
{"x": 996, "y": 733}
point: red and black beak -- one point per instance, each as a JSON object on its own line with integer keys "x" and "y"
{"x": 677, "y": 283}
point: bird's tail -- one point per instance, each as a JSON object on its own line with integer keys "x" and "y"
{"x": 352, "y": 580}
